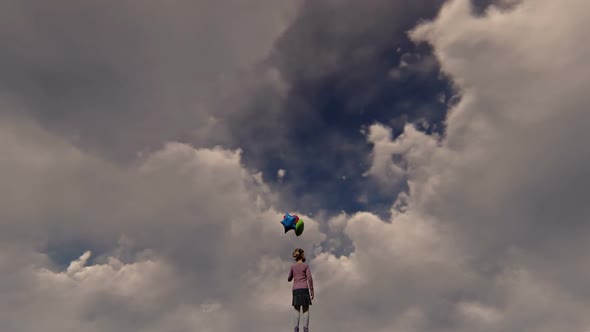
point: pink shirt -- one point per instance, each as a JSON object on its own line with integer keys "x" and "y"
{"x": 301, "y": 275}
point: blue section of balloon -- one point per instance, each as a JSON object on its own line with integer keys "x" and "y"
{"x": 289, "y": 222}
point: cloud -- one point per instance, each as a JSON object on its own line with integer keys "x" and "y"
{"x": 491, "y": 234}
{"x": 406, "y": 157}
{"x": 335, "y": 60}
{"x": 109, "y": 296}
{"x": 281, "y": 174}
{"x": 207, "y": 221}
{"x": 144, "y": 72}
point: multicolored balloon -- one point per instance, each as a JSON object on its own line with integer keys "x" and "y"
{"x": 292, "y": 222}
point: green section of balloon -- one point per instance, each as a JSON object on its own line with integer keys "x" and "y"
{"x": 299, "y": 227}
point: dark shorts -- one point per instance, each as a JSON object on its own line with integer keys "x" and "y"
{"x": 301, "y": 297}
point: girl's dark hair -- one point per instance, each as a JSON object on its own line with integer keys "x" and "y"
{"x": 298, "y": 254}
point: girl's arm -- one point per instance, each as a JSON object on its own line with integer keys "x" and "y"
{"x": 290, "y": 275}
{"x": 309, "y": 280}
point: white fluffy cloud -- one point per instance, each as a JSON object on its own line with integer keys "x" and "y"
{"x": 495, "y": 221}
{"x": 112, "y": 296}
{"x": 209, "y": 222}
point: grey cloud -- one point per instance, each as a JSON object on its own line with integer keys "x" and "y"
{"x": 197, "y": 211}
{"x": 127, "y": 76}
{"x": 345, "y": 33}
{"x": 334, "y": 61}
{"x": 492, "y": 236}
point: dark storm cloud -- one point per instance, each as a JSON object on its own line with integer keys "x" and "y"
{"x": 124, "y": 76}
{"x": 118, "y": 78}
{"x": 347, "y": 64}
{"x": 479, "y": 7}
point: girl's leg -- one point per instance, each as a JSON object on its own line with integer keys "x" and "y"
{"x": 305, "y": 318}
{"x": 296, "y": 318}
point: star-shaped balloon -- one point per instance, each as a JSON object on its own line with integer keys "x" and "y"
{"x": 292, "y": 222}
{"x": 289, "y": 222}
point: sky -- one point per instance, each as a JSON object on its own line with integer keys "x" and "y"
{"x": 436, "y": 150}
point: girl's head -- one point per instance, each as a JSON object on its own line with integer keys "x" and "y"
{"x": 299, "y": 254}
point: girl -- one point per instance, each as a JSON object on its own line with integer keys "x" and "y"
{"x": 302, "y": 288}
